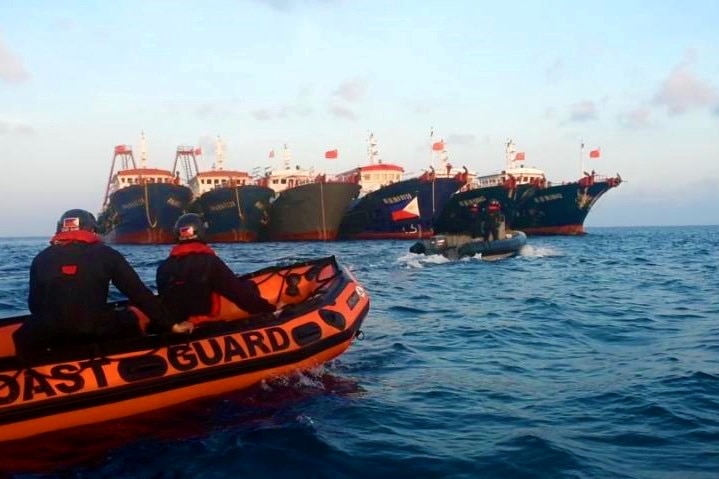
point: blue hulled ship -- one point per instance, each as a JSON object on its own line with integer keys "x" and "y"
{"x": 562, "y": 208}
{"x": 141, "y": 204}
{"x": 548, "y": 208}
{"x": 390, "y": 207}
{"x": 235, "y": 209}
{"x": 457, "y": 215}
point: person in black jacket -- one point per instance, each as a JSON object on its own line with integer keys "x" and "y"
{"x": 494, "y": 218}
{"x": 69, "y": 286}
{"x": 476, "y": 221}
{"x": 188, "y": 278}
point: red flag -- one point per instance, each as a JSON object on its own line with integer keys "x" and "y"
{"x": 594, "y": 153}
{"x": 198, "y": 151}
{"x": 519, "y": 156}
{"x": 331, "y": 154}
{"x": 121, "y": 149}
{"x": 271, "y": 154}
{"x": 438, "y": 145}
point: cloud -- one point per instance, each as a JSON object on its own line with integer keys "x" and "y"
{"x": 460, "y": 139}
{"x": 352, "y": 90}
{"x": 289, "y": 5}
{"x": 11, "y": 67}
{"x": 637, "y": 118}
{"x": 420, "y": 107}
{"x": 218, "y": 109}
{"x": 287, "y": 111}
{"x": 209, "y": 110}
{"x": 342, "y": 112}
{"x": 8, "y": 127}
{"x": 682, "y": 90}
{"x": 554, "y": 71}
{"x": 299, "y": 107}
{"x": 582, "y": 111}
{"x": 550, "y": 113}
{"x": 262, "y": 114}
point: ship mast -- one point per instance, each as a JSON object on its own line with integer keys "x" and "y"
{"x": 143, "y": 150}
{"x": 431, "y": 147}
{"x": 219, "y": 154}
{"x": 444, "y": 159}
{"x": 510, "y": 153}
{"x": 286, "y": 156}
{"x": 373, "y": 151}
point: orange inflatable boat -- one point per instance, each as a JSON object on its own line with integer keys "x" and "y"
{"x": 323, "y": 309}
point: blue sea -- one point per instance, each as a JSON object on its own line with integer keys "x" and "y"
{"x": 584, "y": 357}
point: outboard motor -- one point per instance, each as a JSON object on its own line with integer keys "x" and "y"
{"x": 438, "y": 243}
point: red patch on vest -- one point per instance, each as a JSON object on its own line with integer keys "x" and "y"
{"x": 69, "y": 269}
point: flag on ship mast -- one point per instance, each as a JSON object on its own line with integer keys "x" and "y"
{"x": 595, "y": 153}
{"x": 519, "y": 156}
{"x": 438, "y": 145}
{"x": 331, "y": 154}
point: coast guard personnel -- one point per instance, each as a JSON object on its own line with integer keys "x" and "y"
{"x": 494, "y": 219}
{"x": 69, "y": 285}
{"x": 476, "y": 221}
{"x": 193, "y": 276}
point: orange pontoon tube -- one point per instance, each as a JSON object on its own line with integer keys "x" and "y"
{"x": 323, "y": 309}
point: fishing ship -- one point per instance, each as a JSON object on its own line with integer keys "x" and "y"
{"x": 530, "y": 202}
{"x": 392, "y": 206}
{"x": 235, "y": 209}
{"x": 308, "y": 206}
{"x": 141, "y": 204}
{"x": 512, "y": 188}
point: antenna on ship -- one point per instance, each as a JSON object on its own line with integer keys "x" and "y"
{"x": 431, "y": 147}
{"x": 444, "y": 159}
{"x": 509, "y": 152}
{"x": 373, "y": 151}
{"x": 286, "y": 156}
{"x": 219, "y": 153}
{"x": 143, "y": 150}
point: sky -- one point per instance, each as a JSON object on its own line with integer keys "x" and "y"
{"x": 637, "y": 79}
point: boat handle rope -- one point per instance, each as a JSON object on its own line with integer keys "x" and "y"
{"x": 147, "y": 209}
{"x": 322, "y": 283}
{"x": 239, "y": 206}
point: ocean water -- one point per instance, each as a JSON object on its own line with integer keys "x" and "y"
{"x": 584, "y": 357}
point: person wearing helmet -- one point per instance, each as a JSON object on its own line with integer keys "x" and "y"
{"x": 68, "y": 292}
{"x": 476, "y": 221}
{"x": 494, "y": 219}
{"x": 192, "y": 274}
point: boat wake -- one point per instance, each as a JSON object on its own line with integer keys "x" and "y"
{"x": 532, "y": 251}
{"x": 415, "y": 261}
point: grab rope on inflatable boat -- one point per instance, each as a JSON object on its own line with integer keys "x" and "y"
{"x": 147, "y": 209}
